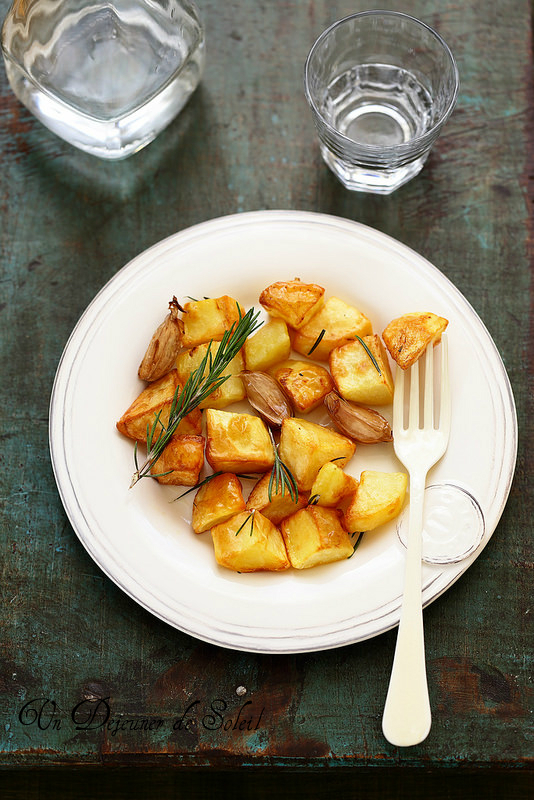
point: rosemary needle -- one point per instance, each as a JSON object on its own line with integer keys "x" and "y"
{"x": 197, "y": 388}
{"x": 316, "y": 342}
{"x": 371, "y": 356}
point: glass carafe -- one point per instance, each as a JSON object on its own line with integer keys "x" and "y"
{"x": 105, "y": 75}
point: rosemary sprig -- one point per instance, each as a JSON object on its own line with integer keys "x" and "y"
{"x": 316, "y": 342}
{"x": 371, "y": 356}
{"x": 314, "y": 499}
{"x": 197, "y": 388}
{"x": 281, "y": 476}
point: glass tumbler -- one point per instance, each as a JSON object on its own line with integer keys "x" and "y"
{"x": 380, "y": 85}
{"x": 105, "y": 75}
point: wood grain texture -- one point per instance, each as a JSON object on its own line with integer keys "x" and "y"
{"x": 69, "y": 222}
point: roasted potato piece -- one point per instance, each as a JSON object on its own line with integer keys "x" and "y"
{"x": 269, "y": 345}
{"x": 331, "y": 485}
{"x": 207, "y": 320}
{"x": 378, "y": 499}
{"x": 182, "y": 459}
{"x": 237, "y": 442}
{"x": 407, "y": 337}
{"x": 340, "y": 322}
{"x": 305, "y": 384}
{"x": 305, "y": 447}
{"x": 231, "y": 391}
{"x": 355, "y": 375}
{"x": 279, "y": 506}
{"x": 293, "y": 301}
{"x": 216, "y": 501}
{"x": 315, "y": 535}
{"x": 158, "y": 396}
{"x": 249, "y": 542}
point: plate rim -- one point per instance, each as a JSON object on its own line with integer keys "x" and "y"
{"x": 246, "y": 641}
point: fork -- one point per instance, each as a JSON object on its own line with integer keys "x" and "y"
{"x": 419, "y": 444}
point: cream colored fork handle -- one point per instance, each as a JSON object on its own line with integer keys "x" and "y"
{"x": 407, "y": 716}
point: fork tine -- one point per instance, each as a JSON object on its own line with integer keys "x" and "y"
{"x": 413, "y": 415}
{"x": 428, "y": 418}
{"x": 398, "y": 399}
{"x": 445, "y": 398}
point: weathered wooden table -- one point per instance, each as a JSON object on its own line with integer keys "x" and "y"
{"x": 69, "y": 222}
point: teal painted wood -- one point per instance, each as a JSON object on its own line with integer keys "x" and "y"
{"x": 69, "y": 222}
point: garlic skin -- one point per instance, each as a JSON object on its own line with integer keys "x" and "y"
{"x": 164, "y": 346}
{"x": 359, "y": 423}
{"x": 266, "y": 397}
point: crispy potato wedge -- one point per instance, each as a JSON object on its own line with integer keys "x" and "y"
{"x": 378, "y": 499}
{"x": 182, "y": 459}
{"x": 315, "y": 535}
{"x": 249, "y": 542}
{"x": 207, "y": 320}
{"x": 306, "y": 446}
{"x": 293, "y": 301}
{"x": 355, "y": 375}
{"x": 237, "y": 442}
{"x": 407, "y": 337}
{"x": 304, "y": 383}
{"x": 280, "y": 506}
{"x": 335, "y": 324}
{"x": 331, "y": 485}
{"x": 231, "y": 391}
{"x": 269, "y": 345}
{"x": 157, "y": 397}
{"x": 216, "y": 501}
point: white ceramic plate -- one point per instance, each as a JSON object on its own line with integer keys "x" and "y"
{"x": 142, "y": 540}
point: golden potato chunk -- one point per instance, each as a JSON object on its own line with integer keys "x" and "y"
{"x": 231, "y": 391}
{"x": 157, "y": 397}
{"x": 335, "y": 324}
{"x": 249, "y": 542}
{"x": 304, "y": 383}
{"x": 315, "y": 535}
{"x": 293, "y": 301}
{"x": 331, "y": 485}
{"x": 355, "y": 375}
{"x": 206, "y": 320}
{"x": 280, "y": 506}
{"x": 378, "y": 499}
{"x": 269, "y": 345}
{"x": 237, "y": 442}
{"x": 182, "y": 459}
{"x": 216, "y": 501}
{"x": 306, "y": 446}
{"x": 407, "y": 337}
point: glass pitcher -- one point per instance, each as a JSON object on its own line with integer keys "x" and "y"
{"x": 105, "y": 75}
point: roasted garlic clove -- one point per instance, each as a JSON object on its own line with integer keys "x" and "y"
{"x": 359, "y": 423}
{"x": 266, "y": 397}
{"x": 164, "y": 346}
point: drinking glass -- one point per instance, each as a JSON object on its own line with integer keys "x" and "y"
{"x": 106, "y": 75}
{"x": 380, "y": 85}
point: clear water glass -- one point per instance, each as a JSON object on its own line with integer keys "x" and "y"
{"x": 380, "y": 85}
{"x": 105, "y": 75}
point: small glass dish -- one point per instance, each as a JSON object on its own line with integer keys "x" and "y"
{"x": 453, "y": 524}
